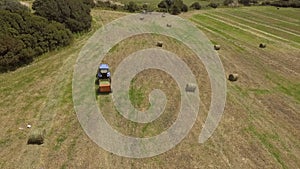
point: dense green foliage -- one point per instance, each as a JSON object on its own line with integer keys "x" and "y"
{"x": 131, "y": 7}
{"x": 244, "y": 2}
{"x": 12, "y": 5}
{"x": 90, "y": 3}
{"x": 286, "y": 3}
{"x": 227, "y": 2}
{"x": 196, "y": 5}
{"x": 24, "y": 36}
{"x": 175, "y": 7}
{"x": 74, "y": 14}
{"x": 213, "y": 5}
{"x": 108, "y": 5}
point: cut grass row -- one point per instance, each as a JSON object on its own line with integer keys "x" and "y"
{"x": 236, "y": 34}
{"x": 288, "y": 14}
{"x": 244, "y": 27}
{"x": 249, "y": 52}
{"x": 270, "y": 21}
{"x": 244, "y": 18}
{"x": 267, "y": 138}
{"x": 229, "y": 31}
{"x": 283, "y": 86}
{"x": 255, "y": 31}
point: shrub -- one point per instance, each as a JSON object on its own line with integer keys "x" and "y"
{"x": 24, "y": 36}
{"x": 196, "y": 5}
{"x": 74, "y": 14}
{"x": 175, "y": 10}
{"x": 213, "y": 5}
{"x": 227, "y": 2}
{"x": 162, "y": 4}
{"x": 131, "y": 6}
{"x": 286, "y": 3}
{"x": 244, "y": 2}
{"x": 173, "y": 6}
{"x": 12, "y": 6}
{"x": 90, "y": 3}
{"x": 184, "y": 8}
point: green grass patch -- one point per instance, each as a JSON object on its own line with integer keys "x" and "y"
{"x": 67, "y": 94}
{"x": 260, "y": 91}
{"x": 224, "y": 36}
{"x": 271, "y": 21}
{"x": 114, "y": 48}
{"x": 227, "y": 30}
{"x": 4, "y": 142}
{"x": 286, "y": 12}
{"x": 104, "y": 99}
{"x": 64, "y": 166}
{"x": 285, "y": 86}
{"x": 59, "y": 140}
{"x": 276, "y": 15}
{"x": 264, "y": 139}
{"x": 136, "y": 96}
{"x": 241, "y": 92}
{"x": 248, "y": 19}
{"x": 292, "y": 90}
{"x": 144, "y": 129}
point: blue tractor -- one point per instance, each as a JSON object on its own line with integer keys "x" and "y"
{"x": 103, "y": 73}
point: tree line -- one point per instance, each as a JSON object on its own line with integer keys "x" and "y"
{"x": 25, "y": 35}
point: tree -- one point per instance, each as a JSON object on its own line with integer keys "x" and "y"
{"x": 132, "y": 6}
{"x": 213, "y": 5}
{"x": 173, "y": 6}
{"x": 74, "y": 14}
{"x": 24, "y": 36}
{"x": 12, "y": 6}
{"x": 184, "y": 8}
{"x": 145, "y": 6}
{"x": 163, "y": 4}
{"x": 196, "y": 5}
{"x": 245, "y": 2}
{"x": 175, "y": 10}
{"x": 227, "y": 2}
{"x": 91, "y": 3}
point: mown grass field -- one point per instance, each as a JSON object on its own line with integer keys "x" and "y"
{"x": 260, "y": 127}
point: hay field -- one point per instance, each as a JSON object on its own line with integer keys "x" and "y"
{"x": 259, "y": 129}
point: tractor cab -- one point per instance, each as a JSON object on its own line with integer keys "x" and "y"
{"x": 103, "y": 78}
{"x": 103, "y": 72}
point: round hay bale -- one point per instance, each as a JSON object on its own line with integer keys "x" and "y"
{"x": 159, "y": 44}
{"x": 36, "y": 137}
{"x": 190, "y": 87}
{"x": 233, "y": 77}
{"x": 169, "y": 25}
{"x": 141, "y": 18}
{"x": 163, "y": 15}
{"x": 217, "y": 47}
{"x": 262, "y": 45}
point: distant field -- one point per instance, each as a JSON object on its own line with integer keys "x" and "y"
{"x": 154, "y": 3}
{"x": 260, "y": 127}
{"x": 270, "y": 74}
{"x": 248, "y": 28}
